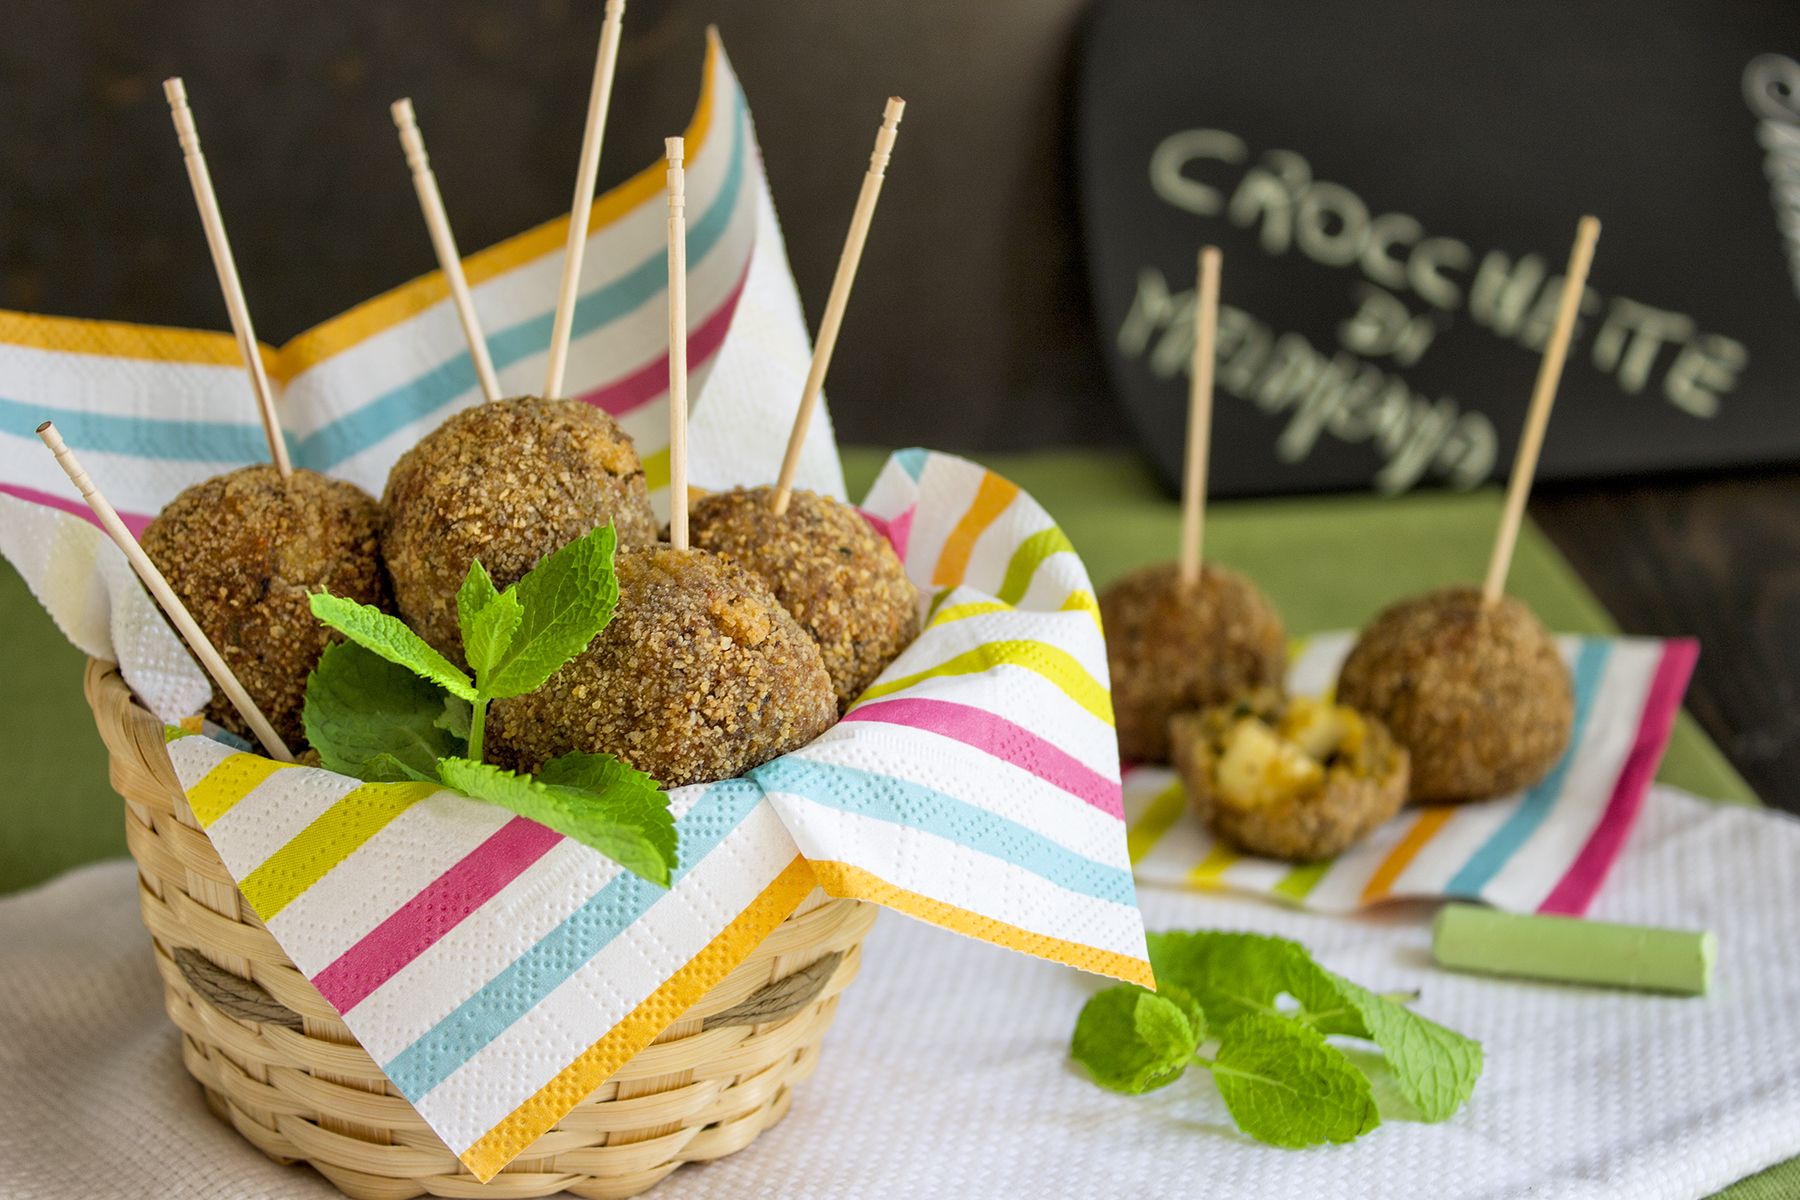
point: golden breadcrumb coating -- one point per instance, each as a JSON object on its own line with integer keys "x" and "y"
{"x": 839, "y": 578}
{"x": 700, "y": 676}
{"x": 507, "y": 482}
{"x": 1478, "y": 694}
{"x": 243, "y": 550}
{"x": 1171, "y": 647}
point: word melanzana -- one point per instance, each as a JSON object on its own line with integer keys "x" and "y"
{"x": 1336, "y": 394}
{"x": 1277, "y": 195}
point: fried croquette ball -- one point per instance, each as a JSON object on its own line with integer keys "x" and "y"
{"x": 1299, "y": 780}
{"x": 1478, "y": 694}
{"x": 243, "y": 551}
{"x": 699, "y": 676}
{"x": 506, "y": 482}
{"x": 1171, "y": 647}
{"x": 829, "y": 568}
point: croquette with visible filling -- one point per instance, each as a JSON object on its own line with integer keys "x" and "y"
{"x": 506, "y": 482}
{"x": 242, "y": 551}
{"x": 700, "y": 676}
{"x": 1171, "y": 647}
{"x": 1478, "y": 694}
{"x": 1299, "y": 780}
{"x": 828, "y": 567}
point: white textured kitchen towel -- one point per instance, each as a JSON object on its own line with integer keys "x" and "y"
{"x": 946, "y": 1073}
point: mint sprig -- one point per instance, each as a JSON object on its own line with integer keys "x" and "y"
{"x": 616, "y": 810}
{"x": 1270, "y": 1008}
{"x": 386, "y": 706}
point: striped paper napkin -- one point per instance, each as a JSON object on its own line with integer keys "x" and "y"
{"x": 1543, "y": 850}
{"x": 497, "y": 971}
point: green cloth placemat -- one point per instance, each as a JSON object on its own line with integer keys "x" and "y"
{"x": 1327, "y": 564}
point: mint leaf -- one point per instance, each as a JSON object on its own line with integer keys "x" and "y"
{"x": 372, "y": 719}
{"x": 1234, "y": 974}
{"x": 632, "y": 829}
{"x": 1435, "y": 1068}
{"x": 624, "y": 787}
{"x": 567, "y": 599}
{"x": 389, "y": 637}
{"x": 387, "y": 768}
{"x": 1286, "y": 1086}
{"x": 489, "y": 634}
{"x": 456, "y": 717}
{"x": 476, "y": 593}
{"x": 1134, "y": 1041}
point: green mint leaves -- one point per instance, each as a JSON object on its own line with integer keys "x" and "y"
{"x": 373, "y": 719}
{"x": 1269, "y": 1007}
{"x": 599, "y": 801}
{"x": 526, "y": 633}
{"x": 389, "y": 637}
{"x": 1136, "y": 1041}
{"x": 1287, "y": 1086}
{"x": 385, "y": 706}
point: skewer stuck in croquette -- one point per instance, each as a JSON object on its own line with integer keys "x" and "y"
{"x": 828, "y": 567}
{"x": 1300, "y": 779}
{"x": 1476, "y": 692}
{"x": 1470, "y": 681}
{"x": 243, "y": 550}
{"x": 1188, "y": 634}
{"x": 506, "y": 482}
{"x": 701, "y": 674}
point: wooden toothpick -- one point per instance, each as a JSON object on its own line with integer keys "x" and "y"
{"x": 678, "y": 497}
{"x": 437, "y": 222}
{"x": 1537, "y": 417}
{"x": 599, "y": 99}
{"x": 839, "y": 299}
{"x": 1199, "y": 420}
{"x": 226, "y": 266}
{"x": 165, "y": 596}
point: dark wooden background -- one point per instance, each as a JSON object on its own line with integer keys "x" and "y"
{"x": 971, "y": 316}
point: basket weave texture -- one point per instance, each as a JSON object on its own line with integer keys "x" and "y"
{"x": 278, "y": 1063}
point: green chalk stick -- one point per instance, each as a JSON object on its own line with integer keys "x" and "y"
{"x": 1468, "y": 937}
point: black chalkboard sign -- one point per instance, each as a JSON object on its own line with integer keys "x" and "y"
{"x": 1395, "y": 189}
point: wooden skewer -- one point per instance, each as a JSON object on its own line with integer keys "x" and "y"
{"x": 839, "y": 299}
{"x": 599, "y": 100}
{"x": 1537, "y": 417}
{"x": 678, "y": 490}
{"x": 1199, "y": 422}
{"x": 437, "y": 222}
{"x": 235, "y": 305}
{"x": 165, "y": 596}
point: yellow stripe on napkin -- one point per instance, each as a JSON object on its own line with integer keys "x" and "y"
{"x": 844, "y": 880}
{"x": 1052, "y": 662}
{"x": 222, "y": 787}
{"x": 678, "y": 993}
{"x": 333, "y": 836}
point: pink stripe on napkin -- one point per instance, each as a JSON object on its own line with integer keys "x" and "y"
{"x": 1662, "y": 702}
{"x": 651, "y": 380}
{"x": 416, "y": 925}
{"x": 1004, "y": 740}
{"x": 133, "y": 521}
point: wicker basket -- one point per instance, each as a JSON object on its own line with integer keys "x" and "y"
{"x": 279, "y": 1065}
